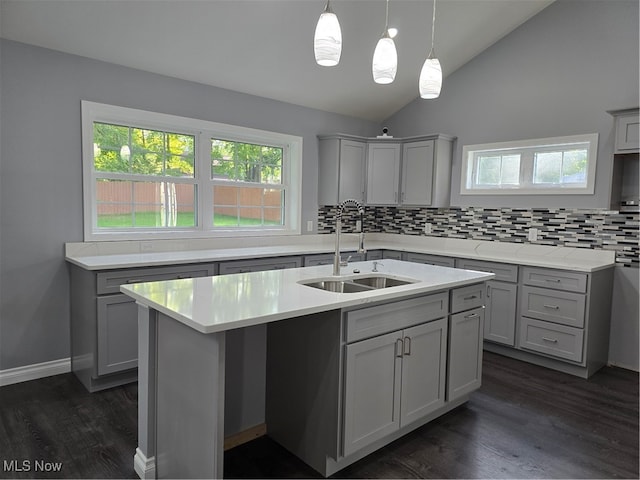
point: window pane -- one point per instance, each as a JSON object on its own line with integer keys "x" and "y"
{"x": 574, "y": 167}
{"x": 245, "y": 162}
{"x": 547, "y": 167}
{"x": 120, "y": 149}
{"x": 488, "y": 170}
{"x": 510, "y": 173}
{"x": 126, "y": 204}
{"x": 247, "y": 206}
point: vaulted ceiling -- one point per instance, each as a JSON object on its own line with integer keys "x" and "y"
{"x": 264, "y": 47}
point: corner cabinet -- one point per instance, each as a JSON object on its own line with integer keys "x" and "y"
{"x": 412, "y": 171}
{"x": 341, "y": 165}
{"x": 104, "y": 322}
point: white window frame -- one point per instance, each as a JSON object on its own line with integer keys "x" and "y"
{"x": 527, "y": 149}
{"x": 203, "y": 131}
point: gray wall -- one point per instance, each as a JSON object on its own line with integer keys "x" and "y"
{"x": 41, "y": 173}
{"x": 556, "y": 74}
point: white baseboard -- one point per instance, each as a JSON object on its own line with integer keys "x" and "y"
{"x": 35, "y": 371}
{"x": 144, "y": 467}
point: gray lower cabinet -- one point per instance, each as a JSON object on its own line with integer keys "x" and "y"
{"x": 501, "y": 299}
{"x": 104, "y": 322}
{"x": 464, "y": 363}
{"x": 430, "y": 259}
{"x": 391, "y": 381}
{"x": 344, "y": 383}
{"x": 259, "y": 265}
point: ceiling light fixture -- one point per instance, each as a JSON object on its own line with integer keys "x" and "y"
{"x": 327, "y": 41}
{"x": 385, "y": 56}
{"x": 430, "y": 82}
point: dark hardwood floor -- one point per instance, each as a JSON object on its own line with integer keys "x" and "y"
{"x": 525, "y": 422}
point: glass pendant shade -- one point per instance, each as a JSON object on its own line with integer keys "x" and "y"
{"x": 385, "y": 60}
{"x": 327, "y": 41}
{"x": 430, "y": 82}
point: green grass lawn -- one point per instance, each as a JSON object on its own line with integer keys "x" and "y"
{"x": 185, "y": 219}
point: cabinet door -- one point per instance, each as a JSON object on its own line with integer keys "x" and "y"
{"x": 464, "y": 369}
{"x": 500, "y": 314}
{"x": 627, "y": 133}
{"x": 372, "y": 390}
{"x": 417, "y": 173}
{"x": 351, "y": 176}
{"x": 383, "y": 173}
{"x": 423, "y": 370}
{"x": 117, "y": 334}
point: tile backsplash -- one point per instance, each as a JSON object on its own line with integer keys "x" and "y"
{"x": 597, "y": 229}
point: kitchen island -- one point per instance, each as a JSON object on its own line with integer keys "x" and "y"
{"x": 346, "y": 372}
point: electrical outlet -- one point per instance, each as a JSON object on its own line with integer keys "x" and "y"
{"x": 533, "y": 234}
{"x": 309, "y": 225}
{"x": 428, "y": 228}
{"x": 146, "y": 247}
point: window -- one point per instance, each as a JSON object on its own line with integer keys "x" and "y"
{"x": 560, "y": 165}
{"x": 150, "y": 175}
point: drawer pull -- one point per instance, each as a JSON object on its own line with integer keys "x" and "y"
{"x": 471, "y": 297}
{"x": 550, "y": 340}
{"x": 554, "y": 280}
{"x": 399, "y": 350}
{"x": 181, "y": 277}
{"x": 473, "y": 315}
{"x": 407, "y": 346}
{"x": 553, "y": 307}
{"x": 135, "y": 280}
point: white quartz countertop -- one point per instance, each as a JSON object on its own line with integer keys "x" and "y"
{"x": 220, "y": 303}
{"x": 113, "y": 255}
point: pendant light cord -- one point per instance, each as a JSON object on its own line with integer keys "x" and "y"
{"x": 386, "y": 20}
{"x": 433, "y": 30}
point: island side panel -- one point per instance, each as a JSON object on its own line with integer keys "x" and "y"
{"x": 190, "y": 370}
{"x": 144, "y": 459}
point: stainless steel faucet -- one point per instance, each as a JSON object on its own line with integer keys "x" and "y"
{"x": 337, "y": 261}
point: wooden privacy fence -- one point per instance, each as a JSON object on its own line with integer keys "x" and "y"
{"x": 117, "y": 198}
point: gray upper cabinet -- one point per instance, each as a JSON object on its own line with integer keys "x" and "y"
{"x": 383, "y": 173}
{"x": 627, "y": 131}
{"x": 400, "y": 171}
{"x": 426, "y": 172}
{"x": 341, "y": 165}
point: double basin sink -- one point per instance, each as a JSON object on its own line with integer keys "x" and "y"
{"x": 358, "y": 284}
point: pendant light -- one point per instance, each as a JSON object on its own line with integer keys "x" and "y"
{"x": 430, "y": 82}
{"x": 385, "y": 56}
{"x": 327, "y": 41}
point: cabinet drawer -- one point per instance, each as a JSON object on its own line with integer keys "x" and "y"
{"x": 259, "y": 265}
{"x": 558, "y": 279}
{"x": 372, "y": 321}
{"x": 553, "y": 305}
{"x": 392, "y": 254}
{"x": 110, "y": 281}
{"x": 466, "y": 298}
{"x": 315, "y": 260}
{"x": 431, "y": 259}
{"x": 552, "y": 339}
{"x": 504, "y": 271}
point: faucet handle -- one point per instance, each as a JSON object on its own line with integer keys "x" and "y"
{"x": 344, "y": 263}
{"x": 375, "y": 265}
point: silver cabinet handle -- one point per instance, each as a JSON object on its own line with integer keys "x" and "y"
{"x": 554, "y": 280}
{"x": 471, "y": 297}
{"x": 488, "y": 291}
{"x": 180, "y": 277}
{"x": 551, "y": 340}
{"x": 399, "y": 350}
{"x": 472, "y": 315}
{"x": 553, "y": 307}
{"x": 135, "y": 280}
{"x": 407, "y": 346}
